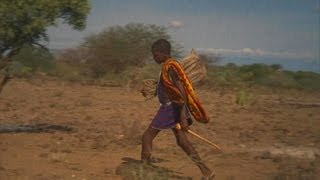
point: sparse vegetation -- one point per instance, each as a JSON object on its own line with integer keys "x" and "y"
{"x": 261, "y": 75}
{"x": 231, "y": 75}
{"x": 120, "y": 55}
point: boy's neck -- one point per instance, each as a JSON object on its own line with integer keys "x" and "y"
{"x": 167, "y": 58}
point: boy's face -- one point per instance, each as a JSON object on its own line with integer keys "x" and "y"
{"x": 158, "y": 56}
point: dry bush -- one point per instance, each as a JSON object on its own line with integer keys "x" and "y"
{"x": 120, "y": 47}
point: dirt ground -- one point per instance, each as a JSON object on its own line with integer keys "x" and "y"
{"x": 91, "y": 132}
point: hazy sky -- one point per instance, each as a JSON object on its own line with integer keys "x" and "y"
{"x": 281, "y": 28}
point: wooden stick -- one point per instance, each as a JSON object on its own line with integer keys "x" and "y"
{"x": 178, "y": 126}
{"x": 203, "y": 139}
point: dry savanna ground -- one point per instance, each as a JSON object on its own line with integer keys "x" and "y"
{"x": 52, "y": 129}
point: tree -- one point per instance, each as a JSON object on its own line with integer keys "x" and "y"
{"x": 34, "y": 59}
{"x": 24, "y": 22}
{"x": 119, "y": 47}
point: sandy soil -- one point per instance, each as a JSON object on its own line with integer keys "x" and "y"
{"x": 275, "y": 136}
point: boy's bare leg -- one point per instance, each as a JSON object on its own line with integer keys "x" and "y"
{"x": 147, "y": 139}
{"x": 187, "y": 147}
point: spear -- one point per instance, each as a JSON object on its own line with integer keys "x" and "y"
{"x": 178, "y": 126}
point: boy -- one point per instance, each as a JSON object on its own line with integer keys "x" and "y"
{"x": 174, "y": 109}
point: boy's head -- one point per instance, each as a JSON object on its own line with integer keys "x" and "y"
{"x": 161, "y": 50}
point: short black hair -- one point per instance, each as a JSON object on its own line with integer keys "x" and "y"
{"x": 161, "y": 45}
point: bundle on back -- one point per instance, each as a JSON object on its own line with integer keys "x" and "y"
{"x": 193, "y": 66}
{"x": 149, "y": 88}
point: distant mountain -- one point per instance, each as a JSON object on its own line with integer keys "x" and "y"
{"x": 287, "y": 64}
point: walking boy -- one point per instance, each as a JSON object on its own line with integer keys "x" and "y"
{"x": 178, "y": 101}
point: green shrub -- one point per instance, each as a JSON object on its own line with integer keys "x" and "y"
{"x": 35, "y": 59}
{"x": 306, "y": 80}
{"x": 276, "y": 66}
{"x": 18, "y": 69}
{"x": 256, "y": 71}
{"x": 242, "y": 98}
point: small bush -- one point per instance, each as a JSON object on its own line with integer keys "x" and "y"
{"x": 19, "y": 70}
{"x": 118, "y": 48}
{"x": 257, "y": 70}
{"x": 35, "y": 59}
{"x": 242, "y": 98}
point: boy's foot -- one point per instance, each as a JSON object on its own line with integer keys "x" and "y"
{"x": 145, "y": 161}
{"x": 150, "y": 160}
{"x": 209, "y": 177}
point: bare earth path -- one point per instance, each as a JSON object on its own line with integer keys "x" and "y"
{"x": 275, "y": 136}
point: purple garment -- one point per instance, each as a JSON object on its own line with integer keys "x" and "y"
{"x": 166, "y": 117}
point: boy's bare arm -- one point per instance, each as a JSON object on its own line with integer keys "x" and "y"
{"x": 183, "y": 118}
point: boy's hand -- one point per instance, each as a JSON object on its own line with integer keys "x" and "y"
{"x": 179, "y": 127}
